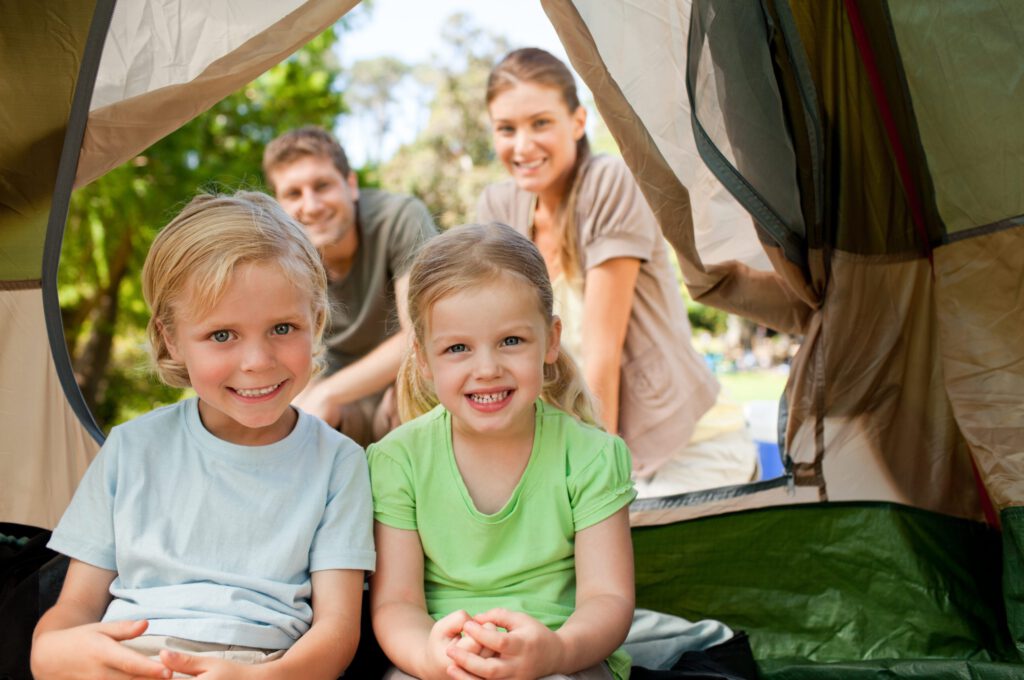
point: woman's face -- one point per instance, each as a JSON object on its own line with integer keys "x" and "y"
{"x": 535, "y": 136}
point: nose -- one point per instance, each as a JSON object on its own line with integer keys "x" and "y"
{"x": 310, "y": 203}
{"x": 523, "y": 140}
{"x": 257, "y": 355}
{"x": 486, "y": 366}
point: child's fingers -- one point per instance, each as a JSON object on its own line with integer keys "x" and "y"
{"x": 122, "y": 630}
{"x": 185, "y": 663}
{"x": 136, "y": 665}
{"x": 486, "y": 635}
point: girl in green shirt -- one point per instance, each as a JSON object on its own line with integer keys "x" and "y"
{"x": 501, "y": 508}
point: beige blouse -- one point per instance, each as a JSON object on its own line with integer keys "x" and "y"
{"x": 665, "y": 384}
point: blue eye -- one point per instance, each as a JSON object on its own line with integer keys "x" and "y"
{"x": 454, "y": 349}
{"x": 220, "y": 336}
{"x": 511, "y": 340}
{"x": 283, "y": 329}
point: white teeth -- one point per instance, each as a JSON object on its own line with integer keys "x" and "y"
{"x": 530, "y": 166}
{"x": 488, "y": 398}
{"x": 258, "y": 393}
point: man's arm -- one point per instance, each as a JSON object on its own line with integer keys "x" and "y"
{"x": 372, "y": 373}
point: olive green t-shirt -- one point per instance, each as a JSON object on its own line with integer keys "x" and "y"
{"x": 364, "y": 313}
{"x": 521, "y": 557}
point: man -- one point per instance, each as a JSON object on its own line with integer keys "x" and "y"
{"x": 367, "y": 239}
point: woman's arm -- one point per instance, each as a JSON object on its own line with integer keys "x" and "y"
{"x": 607, "y": 302}
{"x": 69, "y": 641}
{"x": 406, "y": 632}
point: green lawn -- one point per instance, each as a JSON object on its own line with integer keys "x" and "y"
{"x": 758, "y": 385}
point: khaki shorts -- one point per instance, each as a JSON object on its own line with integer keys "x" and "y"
{"x": 370, "y": 418}
{"x": 150, "y": 645}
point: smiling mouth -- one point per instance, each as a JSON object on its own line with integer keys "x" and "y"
{"x": 257, "y": 392}
{"x": 532, "y": 165}
{"x": 492, "y": 398}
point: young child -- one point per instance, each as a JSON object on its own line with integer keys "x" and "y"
{"x": 501, "y": 514}
{"x": 230, "y": 528}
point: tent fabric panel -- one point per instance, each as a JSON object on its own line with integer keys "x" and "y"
{"x": 39, "y": 59}
{"x": 182, "y": 38}
{"x": 868, "y": 411}
{"x": 963, "y": 67}
{"x": 644, "y": 49}
{"x": 777, "y": 299}
{"x": 44, "y": 450}
{"x": 119, "y": 131}
{"x": 980, "y": 308}
{"x": 738, "y": 116}
{"x": 866, "y": 210}
{"x": 915, "y": 669}
{"x": 1012, "y": 522}
{"x": 833, "y": 582}
{"x": 779, "y": 496}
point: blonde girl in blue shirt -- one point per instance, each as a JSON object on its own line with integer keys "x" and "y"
{"x": 501, "y": 508}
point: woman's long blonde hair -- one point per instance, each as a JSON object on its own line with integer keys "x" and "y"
{"x": 534, "y": 65}
{"x": 468, "y": 256}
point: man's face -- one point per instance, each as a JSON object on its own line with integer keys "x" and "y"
{"x": 316, "y": 194}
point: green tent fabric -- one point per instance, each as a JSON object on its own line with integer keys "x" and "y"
{"x": 848, "y": 170}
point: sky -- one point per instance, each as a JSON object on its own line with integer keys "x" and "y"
{"x": 410, "y": 31}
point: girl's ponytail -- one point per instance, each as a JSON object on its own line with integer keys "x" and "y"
{"x": 565, "y": 389}
{"x": 415, "y": 393}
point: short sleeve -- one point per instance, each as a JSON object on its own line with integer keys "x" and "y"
{"x": 602, "y": 486}
{"x": 394, "y": 500}
{"x": 86, "y": 530}
{"x": 413, "y": 226}
{"x": 344, "y": 537}
{"x": 614, "y": 218}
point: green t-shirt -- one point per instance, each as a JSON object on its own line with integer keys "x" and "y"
{"x": 521, "y": 557}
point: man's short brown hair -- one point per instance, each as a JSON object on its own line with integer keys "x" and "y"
{"x": 300, "y": 142}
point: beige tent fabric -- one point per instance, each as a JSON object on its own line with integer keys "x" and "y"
{"x": 869, "y": 419}
{"x": 761, "y": 499}
{"x": 120, "y": 130}
{"x": 980, "y": 302}
{"x": 783, "y": 303}
{"x": 44, "y": 450}
{"x": 871, "y": 365}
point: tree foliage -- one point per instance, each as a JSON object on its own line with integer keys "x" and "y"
{"x": 451, "y": 160}
{"x": 113, "y": 220}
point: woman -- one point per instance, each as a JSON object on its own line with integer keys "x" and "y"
{"x": 623, "y": 318}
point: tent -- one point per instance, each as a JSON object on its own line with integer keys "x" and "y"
{"x": 852, "y": 171}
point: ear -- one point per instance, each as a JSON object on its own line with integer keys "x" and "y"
{"x": 353, "y": 184}
{"x": 168, "y": 339}
{"x": 579, "y": 122}
{"x": 554, "y": 340}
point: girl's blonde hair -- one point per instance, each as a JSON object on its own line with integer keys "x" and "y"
{"x": 191, "y": 261}
{"x": 472, "y": 255}
{"x": 534, "y": 65}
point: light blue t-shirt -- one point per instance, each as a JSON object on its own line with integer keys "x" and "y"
{"x": 213, "y": 541}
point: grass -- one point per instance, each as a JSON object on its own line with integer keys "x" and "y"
{"x": 755, "y": 385}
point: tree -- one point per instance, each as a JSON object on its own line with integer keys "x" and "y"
{"x": 113, "y": 220}
{"x": 372, "y": 86}
{"x": 451, "y": 159}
